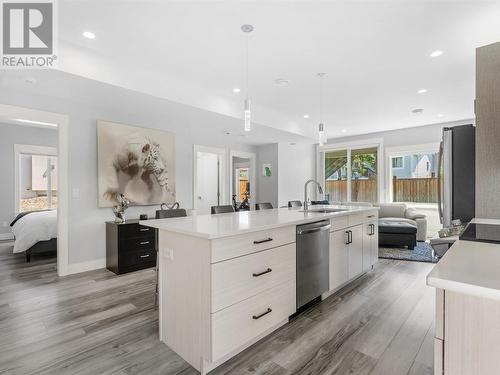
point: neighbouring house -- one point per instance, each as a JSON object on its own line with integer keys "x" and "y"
{"x": 415, "y": 166}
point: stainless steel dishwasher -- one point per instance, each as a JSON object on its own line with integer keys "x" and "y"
{"x": 313, "y": 242}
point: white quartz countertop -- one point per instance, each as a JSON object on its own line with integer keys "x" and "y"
{"x": 469, "y": 267}
{"x": 230, "y": 224}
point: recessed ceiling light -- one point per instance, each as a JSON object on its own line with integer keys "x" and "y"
{"x": 281, "y": 81}
{"x": 344, "y": 130}
{"x": 440, "y": 115}
{"x": 88, "y": 34}
{"x": 236, "y": 90}
{"x": 436, "y": 53}
{"x": 422, "y": 91}
{"x": 306, "y": 116}
{"x": 417, "y": 110}
{"x": 35, "y": 122}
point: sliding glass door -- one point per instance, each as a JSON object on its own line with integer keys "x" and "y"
{"x": 351, "y": 174}
{"x": 336, "y": 176}
{"x": 364, "y": 177}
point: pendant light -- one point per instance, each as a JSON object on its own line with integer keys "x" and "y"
{"x": 247, "y": 29}
{"x": 321, "y": 127}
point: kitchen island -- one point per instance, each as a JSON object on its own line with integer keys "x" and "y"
{"x": 228, "y": 280}
{"x": 467, "y": 328}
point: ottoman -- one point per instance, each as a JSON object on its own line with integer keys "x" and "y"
{"x": 397, "y": 233}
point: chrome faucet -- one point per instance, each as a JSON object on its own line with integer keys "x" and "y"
{"x": 320, "y": 189}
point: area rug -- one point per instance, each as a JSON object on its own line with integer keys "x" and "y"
{"x": 421, "y": 253}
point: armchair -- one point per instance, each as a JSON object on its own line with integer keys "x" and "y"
{"x": 399, "y": 212}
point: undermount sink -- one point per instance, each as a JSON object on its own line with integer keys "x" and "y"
{"x": 324, "y": 210}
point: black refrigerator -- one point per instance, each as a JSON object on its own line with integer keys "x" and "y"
{"x": 456, "y": 176}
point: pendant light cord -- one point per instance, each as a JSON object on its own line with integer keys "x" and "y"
{"x": 321, "y": 98}
{"x": 247, "y": 67}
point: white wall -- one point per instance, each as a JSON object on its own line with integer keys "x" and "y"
{"x": 267, "y": 187}
{"x": 404, "y": 137}
{"x": 92, "y": 101}
{"x": 10, "y": 135}
{"x": 296, "y": 164}
{"x": 292, "y": 165}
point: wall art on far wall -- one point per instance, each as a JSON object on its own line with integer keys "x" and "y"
{"x": 136, "y": 162}
{"x": 266, "y": 170}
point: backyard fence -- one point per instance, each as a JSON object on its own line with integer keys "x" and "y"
{"x": 414, "y": 190}
{"x": 361, "y": 190}
{"x": 422, "y": 190}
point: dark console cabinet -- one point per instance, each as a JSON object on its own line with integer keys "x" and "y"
{"x": 129, "y": 246}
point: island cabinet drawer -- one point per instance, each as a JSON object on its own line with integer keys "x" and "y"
{"x": 357, "y": 219}
{"x": 237, "y": 279}
{"x": 239, "y": 324}
{"x": 338, "y": 223}
{"x": 235, "y": 246}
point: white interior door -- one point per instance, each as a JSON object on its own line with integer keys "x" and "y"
{"x": 208, "y": 181}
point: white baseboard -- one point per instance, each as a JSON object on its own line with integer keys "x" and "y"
{"x": 86, "y": 266}
{"x": 6, "y": 236}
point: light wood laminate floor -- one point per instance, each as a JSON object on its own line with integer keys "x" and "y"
{"x": 100, "y": 323}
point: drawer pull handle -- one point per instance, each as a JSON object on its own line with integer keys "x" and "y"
{"x": 143, "y": 229}
{"x": 255, "y": 317}
{"x": 145, "y": 256}
{"x": 262, "y": 241}
{"x": 143, "y": 243}
{"x": 371, "y": 216}
{"x": 262, "y": 273}
{"x": 349, "y": 237}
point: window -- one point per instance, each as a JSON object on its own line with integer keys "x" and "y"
{"x": 397, "y": 162}
{"x": 416, "y": 183}
{"x": 36, "y": 178}
{"x": 351, "y": 175}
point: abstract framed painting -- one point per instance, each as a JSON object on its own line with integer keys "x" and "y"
{"x": 136, "y": 162}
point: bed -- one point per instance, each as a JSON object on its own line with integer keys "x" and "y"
{"x": 35, "y": 232}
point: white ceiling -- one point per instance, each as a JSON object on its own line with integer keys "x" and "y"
{"x": 375, "y": 54}
{"x": 76, "y": 91}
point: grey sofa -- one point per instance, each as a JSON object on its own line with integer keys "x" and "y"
{"x": 399, "y": 212}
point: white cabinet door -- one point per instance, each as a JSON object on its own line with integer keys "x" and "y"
{"x": 367, "y": 246}
{"x": 374, "y": 242}
{"x": 339, "y": 259}
{"x": 355, "y": 249}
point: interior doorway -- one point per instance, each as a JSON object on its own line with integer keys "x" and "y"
{"x": 209, "y": 176}
{"x": 243, "y": 177}
{"x": 59, "y": 175}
